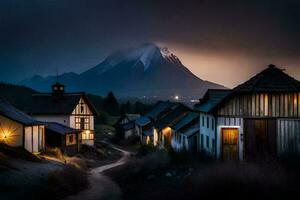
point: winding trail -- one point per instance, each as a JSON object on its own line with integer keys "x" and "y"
{"x": 102, "y": 187}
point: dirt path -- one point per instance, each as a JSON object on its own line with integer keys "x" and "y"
{"x": 102, "y": 187}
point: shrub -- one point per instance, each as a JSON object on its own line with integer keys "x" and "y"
{"x": 248, "y": 179}
{"x": 77, "y": 162}
{"x": 55, "y": 152}
{"x": 67, "y": 181}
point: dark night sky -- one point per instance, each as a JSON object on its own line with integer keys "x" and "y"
{"x": 221, "y": 42}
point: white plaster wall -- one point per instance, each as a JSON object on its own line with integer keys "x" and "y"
{"x": 13, "y": 132}
{"x": 28, "y": 138}
{"x": 230, "y": 122}
{"x": 35, "y": 139}
{"x": 207, "y": 132}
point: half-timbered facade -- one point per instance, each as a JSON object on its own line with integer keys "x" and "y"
{"x": 69, "y": 109}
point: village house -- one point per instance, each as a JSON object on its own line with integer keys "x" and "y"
{"x": 63, "y": 137}
{"x": 258, "y": 119}
{"x": 73, "y": 110}
{"x": 207, "y": 126}
{"x": 185, "y": 133}
{"x": 154, "y": 127}
{"x": 125, "y": 126}
{"x": 17, "y": 129}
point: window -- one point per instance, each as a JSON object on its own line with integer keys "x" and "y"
{"x": 70, "y": 139}
{"x": 201, "y": 141}
{"x": 203, "y": 121}
{"x": 212, "y": 124}
{"x": 81, "y": 109}
{"x": 82, "y": 123}
{"x": 87, "y": 135}
{"x": 207, "y": 141}
{"x": 207, "y": 122}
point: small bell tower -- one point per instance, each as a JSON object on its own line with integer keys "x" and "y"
{"x": 57, "y": 88}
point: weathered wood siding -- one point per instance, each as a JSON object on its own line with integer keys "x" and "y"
{"x": 288, "y": 136}
{"x": 230, "y": 122}
{"x": 284, "y": 105}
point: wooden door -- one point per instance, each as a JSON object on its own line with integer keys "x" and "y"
{"x": 260, "y": 139}
{"x": 230, "y": 143}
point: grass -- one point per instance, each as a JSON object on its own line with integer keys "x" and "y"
{"x": 67, "y": 181}
{"x": 161, "y": 175}
{"x": 18, "y": 153}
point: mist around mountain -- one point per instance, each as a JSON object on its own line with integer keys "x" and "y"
{"x": 148, "y": 72}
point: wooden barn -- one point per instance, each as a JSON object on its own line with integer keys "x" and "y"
{"x": 17, "y": 129}
{"x": 70, "y": 109}
{"x": 63, "y": 137}
{"x": 260, "y": 118}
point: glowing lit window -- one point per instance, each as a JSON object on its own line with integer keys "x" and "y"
{"x": 70, "y": 139}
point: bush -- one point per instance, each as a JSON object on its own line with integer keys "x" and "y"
{"x": 55, "y": 152}
{"x": 145, "y": 150}
{"x": 250, "y": 180}
{"x": 77, "y": 162}
{"x": 67, "y": 181}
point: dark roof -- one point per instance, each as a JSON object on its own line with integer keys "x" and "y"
{"x": 60, "y": 128}
{"x": 142, "y": 121}
{"x": 10, "y": 112}
{"x": 185, "y": 120}
{"x": 132, "y": 117}
{"x": 272, "y": 79}
{"x": 148, "y": 132}
{"x": 172, "y": 117}
{"x": 128, "y": 126}
{"x": 56, "y": 105}
{"x": 160, "y": 108}
{"x": 191, "y": 130}
{"x": 211, "y": 99}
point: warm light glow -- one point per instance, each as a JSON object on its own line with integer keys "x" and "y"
{"x": 176, "y": 97}
{"x": 87, "y": 131}
{"x": 166, "y": 130}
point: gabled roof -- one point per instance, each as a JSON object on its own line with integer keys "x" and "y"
{"x": 10, "y": 112}
{"x": 185, "y": 120}
{"x": 132, "y": 117}
{"x": 159, "y": 109}
{"x": 148, "y": 132}
{"x": 64, "y": 104}
{"x": 172, "y": 117}
{"x": 142, "y": 121}
{"x": 191, "y": 130}
{"x": 211, "y": 98}
{"x": 272, "y": 79}
{"x": 128, "y": 126}
{"x": 60, "y": 128}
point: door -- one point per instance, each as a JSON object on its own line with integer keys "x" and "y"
{"x": 260, "y": 139}
{"x": 230, "y": 143}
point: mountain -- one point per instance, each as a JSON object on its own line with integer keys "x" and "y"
{"x": 146, "y": 71}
